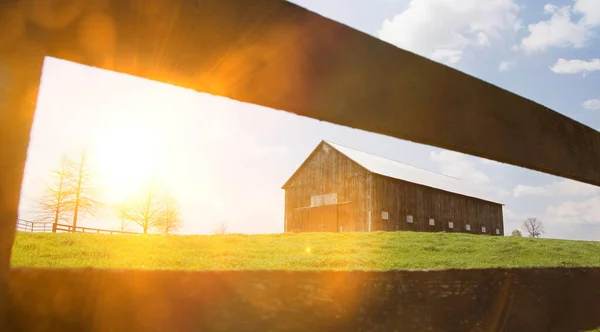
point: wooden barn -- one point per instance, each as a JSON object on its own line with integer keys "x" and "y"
{"x": 339, "y": 189}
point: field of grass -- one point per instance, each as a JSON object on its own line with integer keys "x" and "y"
{"x": 308, "y": 251}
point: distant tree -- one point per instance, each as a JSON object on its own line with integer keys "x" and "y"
{"x": 533, "y": 227}
{"x": 70, "y": 192}
{"x": 147, "y": 209}
{"x": 220, "y": 228}
{"x": 517, "y": 233}
{"x": 170, "y": 215}
{"x": 121, "y": 211}
{"x": 80, "y": 181}
{"x": 54, "y": 204}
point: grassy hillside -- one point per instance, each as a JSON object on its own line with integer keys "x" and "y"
{"x": 346, "y": 251}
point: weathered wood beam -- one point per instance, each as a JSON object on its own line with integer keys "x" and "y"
{"x": 20, "y": 71}
{"x": 555, "y": 299}
{"x": 276, "y": 54}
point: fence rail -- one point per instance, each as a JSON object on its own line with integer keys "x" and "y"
{"x": 44, "y": 227}
{"x": 33, "y": 226}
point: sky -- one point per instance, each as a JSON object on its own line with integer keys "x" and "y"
{"x": 227, "y": 160}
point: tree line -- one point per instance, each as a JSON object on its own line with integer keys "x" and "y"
{"x": 72, "y": 193}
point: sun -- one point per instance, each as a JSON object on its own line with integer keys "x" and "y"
{"x": 125, "y": 157}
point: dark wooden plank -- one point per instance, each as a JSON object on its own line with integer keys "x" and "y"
{"x": 276, "y": 54}
{"x": 552, "y": 299}
{"x": 20, "y": 70}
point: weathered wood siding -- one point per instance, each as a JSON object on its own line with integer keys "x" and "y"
{"x": 400, "y": 198}
{"x": 327, "y": 171}
{"x": 362, "y": 195}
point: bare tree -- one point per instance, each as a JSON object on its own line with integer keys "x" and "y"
{"x": 80, "y": 181}
{"x": 170, "y": 216}
{"x": 71, "y": 192}
{"x": 54, "y": 204}
{"x": 533, "y": 227}
{"x": 121, "y": 210}
{"x": 220, "y": 228}
{"x": 517, "y": 233}
{"x": 147, "y": 209}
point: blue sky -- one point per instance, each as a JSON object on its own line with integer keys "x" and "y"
{"x": 232, "y": 158}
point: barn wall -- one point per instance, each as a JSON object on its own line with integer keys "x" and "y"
{"x": 327, "y": 171}
{"x": 399, "y": 199}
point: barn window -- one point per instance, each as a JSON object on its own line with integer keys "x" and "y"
{"x": 450, "y": 224}
{"x": 482, "y": 229}
{"x": 326, "y": 199}
{"x": 468, "y": 227}
{"x": 431, "y": 222}
{"x": 498, "y": 231}
{"x": 409, "y": 218}
{"x": 384, "y": 215}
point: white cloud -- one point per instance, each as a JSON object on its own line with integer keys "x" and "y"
{"x": 510, "y": 214}
{"x": 512, "y": 220}
{"x": 564, "y": 66}
{"x": 560, "y": 30}
{"x": 463, "y": 167}
{"x": 459, "y": 166}
{"x": 489, "y": 162}
{"x": 447, "y": 56}
{"x": 590, "y": 9}
{"x": 482, "y": 39}
{"x": 443, "y": 29}
{"x": 592, "y": 104}
{"x": 581, "y": 212}
{"x": 562, "y": 187}
{"x": 523, "y": 190}
{"x": 506, "y": 65}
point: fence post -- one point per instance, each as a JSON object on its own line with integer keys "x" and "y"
{"x": 54, "y": 227}
{"x": 23, "y": 68}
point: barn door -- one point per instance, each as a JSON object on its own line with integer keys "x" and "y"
{"x": 324, "y": 218}
{"x": 344, "y": 218}
{"x": 300, "y": 221}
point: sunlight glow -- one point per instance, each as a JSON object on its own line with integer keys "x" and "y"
{"x": 192, "y": 145}
{"x": 130, "y": 149}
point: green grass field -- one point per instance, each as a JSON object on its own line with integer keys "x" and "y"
{"x": 308, "y": 251}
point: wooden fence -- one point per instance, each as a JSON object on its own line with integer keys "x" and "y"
{"x": 33, "y": 226}
{"x": 41, "y": 227}
{"x": 279, "y": 55}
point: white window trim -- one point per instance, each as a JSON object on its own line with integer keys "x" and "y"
{"x": 323, "y": 200}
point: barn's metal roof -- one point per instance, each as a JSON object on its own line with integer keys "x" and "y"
{"x": 399, "y": 170}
